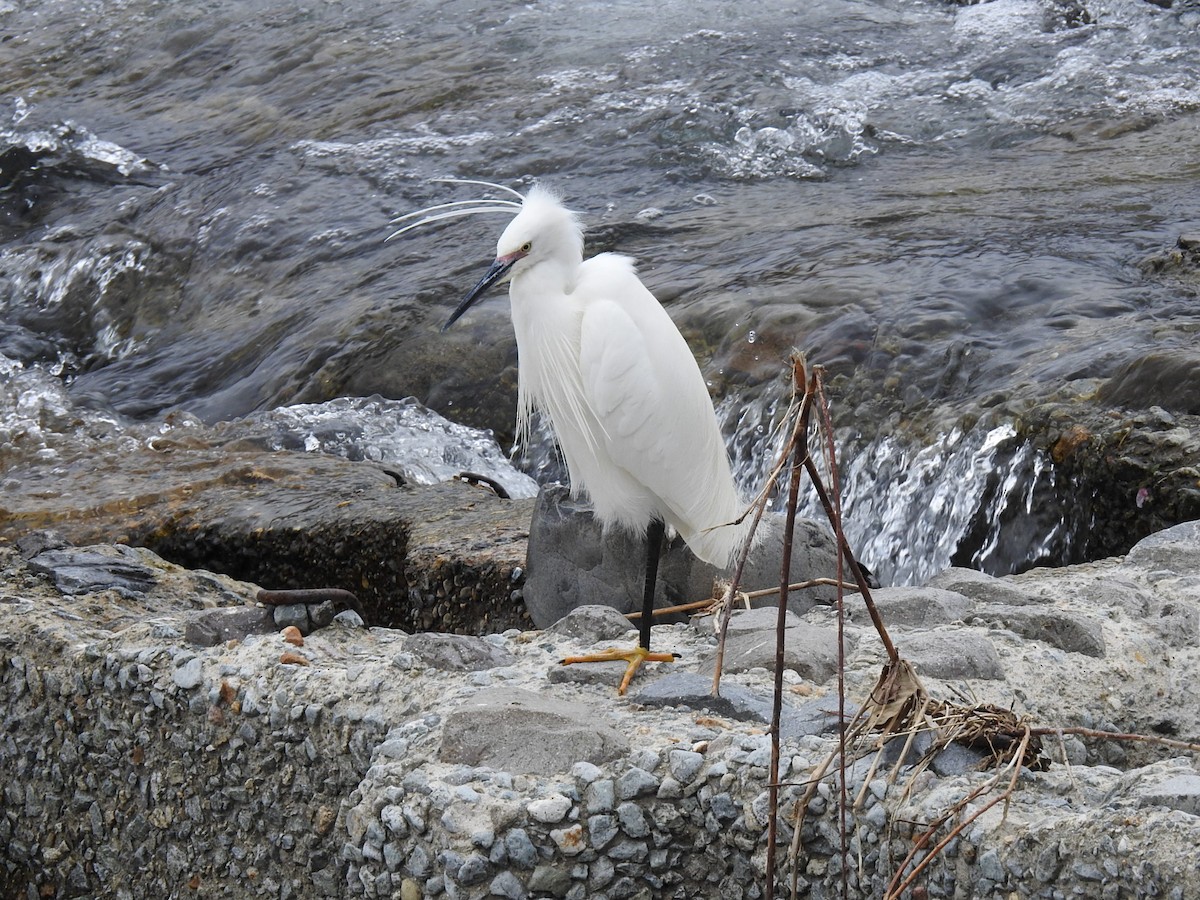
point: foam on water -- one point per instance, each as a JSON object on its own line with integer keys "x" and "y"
{"x": 986, "y": 72}
{"x": 402, "y": 434}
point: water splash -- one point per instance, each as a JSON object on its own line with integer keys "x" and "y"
{"x": 89, "y": 285}
{"x": 980, "y": 497}
{"x": 908, "y": 510}
{"x": 402, "y": 434}
{"x": 39, "y": 420}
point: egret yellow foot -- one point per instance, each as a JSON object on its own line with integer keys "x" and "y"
{"x": 633, "y": 659}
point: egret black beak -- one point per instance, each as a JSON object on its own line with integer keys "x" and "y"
{"x": 494, "y": 273}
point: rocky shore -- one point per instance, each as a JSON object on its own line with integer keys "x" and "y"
{"x": 163, "y": 736}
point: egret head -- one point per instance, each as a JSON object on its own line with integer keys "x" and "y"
{"x": 544, "y": 231}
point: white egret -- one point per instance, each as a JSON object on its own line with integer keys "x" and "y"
{"x": 600, "y": 358}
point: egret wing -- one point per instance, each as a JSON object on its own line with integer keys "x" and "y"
{"x": 646, "y": 391}
{"x": 621, "y": 386}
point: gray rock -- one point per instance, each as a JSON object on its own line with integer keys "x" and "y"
{"x": 232, "y": 623}
{"x": 521, "y": 732}
{"x": 506, "y": 884}
{"x": 190, "y": 674}
{"x": 953, "y": 653}
{"x": 600, "y": 796}
{"x": 1177, "y": 622}
{"x": 1075, "y": 634}
{"x": 919, "y": 606}
{"x": 955, "y": 759}
{"x": 588, "y": 624}
{"x": 550, "y": 879}
{"x": 1176, "y": 549}
{"x": 1112, "y": 592}
{"x": 608, "y": 674}
{"x": 982, "y": 587}
{"x": 750, "y": 643}
{"x": 817, "y": 716}
{"x": 520, "y": 849}
{"x": 684, "y": 764}
{"x": 85, "y": 570}
{"x": 1181, "y": 792}
{"x": 602, "y": 829}
{"x": 573, "y": 563}
{"x": 635, "y": 782}
{"x": 457, "y": 652}
{"x": 736, "y": 702}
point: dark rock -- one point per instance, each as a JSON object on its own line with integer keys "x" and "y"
{"x": 322, "y": 614}
{"x": 85, "y": 570}
{"x": 524, "y": 733}
{"x": 419, "y": 558}
{"x": 573, "y": 563}
{"x": 550, "y": 880}
{"x": 216, "y": 626}
{"x": 1166, "y": 378}
{"x": 955, "y": 759}
{"x": 980, "y": 586}
{"x": 293, "y": 614}
{"x": 1072, "y": 633}
{"x": 809, "y": 650}
{"x": 457, "y": 652}
{"x": 920, "y": 606}
{"x": 952, "y": 653}
{"x": 1116, "y": 477}
{"x": 30, "y": 545}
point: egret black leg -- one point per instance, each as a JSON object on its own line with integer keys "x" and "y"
{"x": 634, "y": 658}
{"x": 654, "y": 539}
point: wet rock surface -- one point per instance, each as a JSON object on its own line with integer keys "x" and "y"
{"x": 1118, "y": 472}
{"x": 446, "y": 556}
{"x": 150, "y": 747}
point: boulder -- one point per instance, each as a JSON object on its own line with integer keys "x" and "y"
{"x": 573, "y": 562}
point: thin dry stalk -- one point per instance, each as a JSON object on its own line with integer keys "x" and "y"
{"x": 1119, "y": 736}
{"x": 799, "y": 452}
{"x": 705, "y": 607}
{"x": 757, "y": 508}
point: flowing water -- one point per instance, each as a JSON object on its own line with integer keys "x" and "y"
{"x": 945, "y": 205}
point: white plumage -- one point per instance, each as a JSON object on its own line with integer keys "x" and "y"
{"x": 601, "y": 359}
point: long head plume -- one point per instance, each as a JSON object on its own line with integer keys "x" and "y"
{"x": 458, "y": 208}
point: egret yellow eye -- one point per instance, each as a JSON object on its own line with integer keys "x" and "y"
{"x": 526, "y": 247}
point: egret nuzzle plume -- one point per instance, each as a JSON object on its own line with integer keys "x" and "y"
{"x": 603, "y": 362}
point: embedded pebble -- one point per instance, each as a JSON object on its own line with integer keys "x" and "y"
{"x": 190, "y": 674}
{"x": 553, "y": 808}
